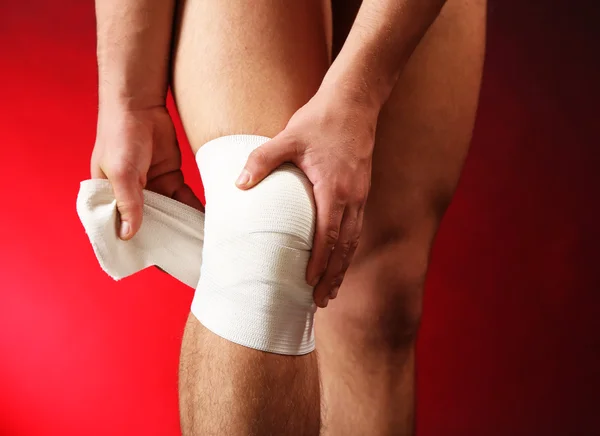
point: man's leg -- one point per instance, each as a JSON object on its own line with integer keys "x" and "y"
{"x": 366, "y": 337}
{"x": 244, "y": 68}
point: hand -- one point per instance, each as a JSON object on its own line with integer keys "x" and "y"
{"x": 331, "y": 139}
{"x": 137, "y": 149}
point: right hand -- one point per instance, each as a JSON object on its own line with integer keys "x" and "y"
{"x": 136, "y": 150}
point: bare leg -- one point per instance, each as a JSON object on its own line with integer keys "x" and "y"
{"x": 246, "y": 67}
{"x": 226, "y": 389}
{"x": 366, "y": 336}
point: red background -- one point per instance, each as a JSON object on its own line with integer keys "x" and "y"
{"x": 511, "y": 336}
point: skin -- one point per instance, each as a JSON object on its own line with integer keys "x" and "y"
{"x": 331, "y": 138}
{"x": 136, "y": 146}
{"x": 263, "y": 393}
{"x": 366, "y": 337}
{"x": 395, "y": 110}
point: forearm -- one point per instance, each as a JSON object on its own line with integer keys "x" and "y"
{"x": 384, "y": 35}
{"x": 134, "y": 38}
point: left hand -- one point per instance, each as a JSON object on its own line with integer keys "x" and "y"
{"x": 331, "y": 140}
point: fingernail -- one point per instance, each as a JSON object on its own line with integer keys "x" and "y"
{"x": 243, "y": 179}
{"x": 325, "y": 301}
{"x": 334, "y": 292}
{"x": 125, "y": 228}
{"x": 314, "y": 281}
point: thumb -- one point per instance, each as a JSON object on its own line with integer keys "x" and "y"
{"x": 264, "y": 159}
{"x": 130, "y": 202}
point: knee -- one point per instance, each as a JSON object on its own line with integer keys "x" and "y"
{"x": 400, "y": 274}
{"x": 389, "y": 290}
{"x": 390, "y": 267}
{"x": 265, "y": 233}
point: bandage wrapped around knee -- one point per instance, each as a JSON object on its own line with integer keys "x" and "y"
{"x": 252, "y": 288}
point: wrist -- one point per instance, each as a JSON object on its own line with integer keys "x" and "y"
{"x": 127, "y": 101}
{"x": 130, "y": 82}
{"x": 113, "y": 114}
{"x": 133, "y": 50}
{"x": 354, "y": 91}
{"x": 357, "y": 80}
{"x": 119, "y": 95}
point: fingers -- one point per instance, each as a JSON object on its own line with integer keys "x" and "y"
{"x": 127, "y": 188}
{"x": 172, "y": 185}
{"x": 266, "y": 158}
{"x": 329, "y": 218}
{"x": 340, "y": 257}
{"x": 130, "y": 200}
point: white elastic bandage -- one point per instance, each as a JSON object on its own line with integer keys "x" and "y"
{"x": 257, "y": 243}
{"x": 252, "y": 289}
{"x": 170, "y": 237}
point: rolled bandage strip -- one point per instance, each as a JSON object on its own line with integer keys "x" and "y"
{"x": 170, "y": 237}
{"x": 257, "y": 243}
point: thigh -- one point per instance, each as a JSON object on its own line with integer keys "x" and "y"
{"x": 423, "y": 136}
{"x": 425, "y": 128}
{"x": 246, "y": 67}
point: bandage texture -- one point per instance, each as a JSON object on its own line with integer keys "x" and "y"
{"x": 252, "y": 289}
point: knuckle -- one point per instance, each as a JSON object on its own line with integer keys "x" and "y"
{"x": 346, "y": 252}
{"x": 258, "y": 156}
{"x": 120, "y": 171}
{"x": 338, "y": 279}
{"x": 331, "y": 236}
{"x": 352, "y": 245}
{"x": 360, "y": 197}
{"x": 129, "y": 208}
{"x": 342, "y": 191}
{"x": 345, "y": 247}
